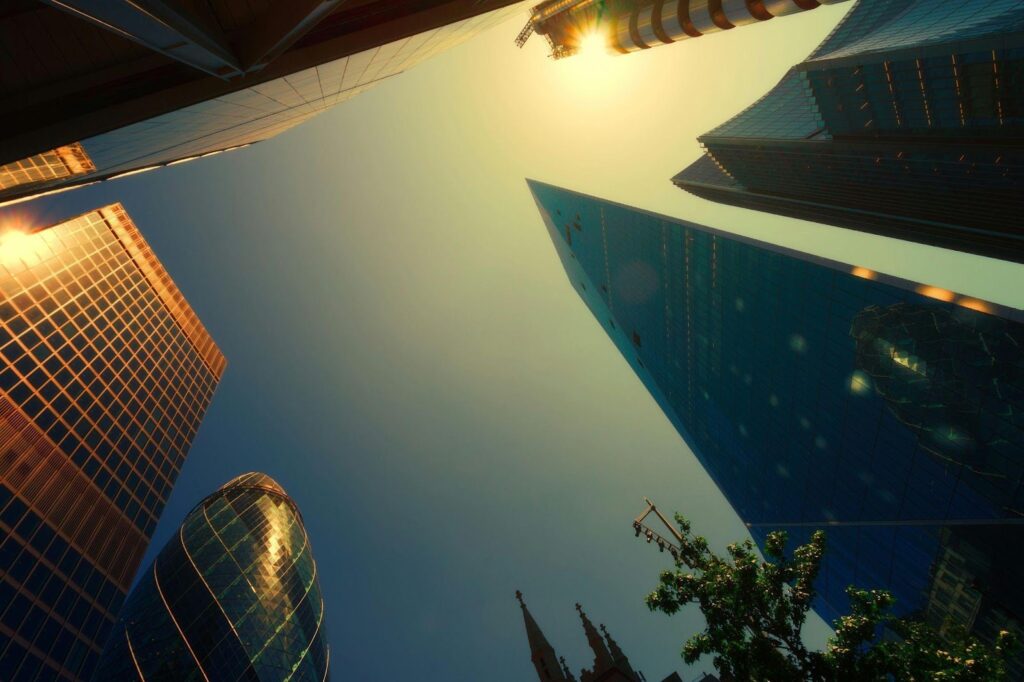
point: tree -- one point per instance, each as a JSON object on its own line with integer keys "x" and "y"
{"x": 755, "y": 610}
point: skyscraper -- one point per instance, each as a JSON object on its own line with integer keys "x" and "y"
{"x": 632, "y": 25}
{"x": 610, "y": 663}
{"x": 105, "y": 374}
{"x": 93, "y": 90}
{"x": 234, "y": 595}
{"x": 907, "y": 121}
{"x": 820, "y": 395}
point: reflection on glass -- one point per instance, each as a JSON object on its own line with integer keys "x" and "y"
{"x": 233, "y": 595}
{"x": 819, "y": 395}
{"x": 952, "y": 375}
{"x": 63, "y": 162}
{"x": 105, "y": 374}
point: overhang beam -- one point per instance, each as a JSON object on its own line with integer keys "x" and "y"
{"x": 164, "y": 26}
{"x": 279, "y": 27}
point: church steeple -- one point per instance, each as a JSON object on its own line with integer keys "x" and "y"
{"x": 549, "y": 667}
{"x": 602, "y": 658}
{"x": 610, "y": 663}
{"x": 621, "y": 662}
{"x": 565, "y": 669}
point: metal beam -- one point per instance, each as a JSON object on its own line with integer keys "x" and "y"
{"x": 278, "y": 28}
{"x": 46, "y": 122}
{"x": 164, "y": 26}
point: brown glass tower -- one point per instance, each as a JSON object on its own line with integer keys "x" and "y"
{"x": 105, "y": 374}
{"x": 93, "y": 89}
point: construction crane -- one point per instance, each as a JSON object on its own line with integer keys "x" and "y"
{"x": 525, "y": 34}
{"x": 639, "y": 527}
{"x": 539, "y": 17}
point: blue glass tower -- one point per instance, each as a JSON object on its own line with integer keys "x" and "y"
{"x": 820, "y": 395}
{"x": 234, "y": 595}
{"x": 908, "y": 121}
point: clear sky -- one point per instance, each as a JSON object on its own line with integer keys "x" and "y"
{"x": 407, "y": 358}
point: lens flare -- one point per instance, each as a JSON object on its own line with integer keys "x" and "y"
{"x": 18, "y": 247}
{"x": 592, "y": 73}
{"x": 859, "y": 383}
{"x": 592, "y": 45}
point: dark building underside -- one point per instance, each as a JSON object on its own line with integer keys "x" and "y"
{"x": 66, "y": 75}
{"x": 966, "y": 225}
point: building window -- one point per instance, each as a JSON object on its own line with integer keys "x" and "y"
{"x": 63, "y": 162}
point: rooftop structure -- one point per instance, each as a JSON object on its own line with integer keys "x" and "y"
{"x": 905, "y": 122}
{"x": 631, "y": 25}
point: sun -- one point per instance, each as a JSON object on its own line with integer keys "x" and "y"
{"x": 19, "y": 241}
{"x": 16, "y": 247}
{"x": 592, "y": 72}
{"x": 592, "y": 45}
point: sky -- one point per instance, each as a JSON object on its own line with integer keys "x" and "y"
{"x": 407, "y": 358}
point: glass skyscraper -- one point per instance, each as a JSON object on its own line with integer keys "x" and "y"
{"x": 234, "y": 595}
{"x": 634, "y": 25}
{"x": 906, "y": 121}
{"x": 820, "y": 395}
{"x": 126, "y": 103}
{"x": 105, "y": 374}
{"x": 631, "y": 26}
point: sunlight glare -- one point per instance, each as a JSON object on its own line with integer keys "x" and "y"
{"x": 936, "y": 293}
{"x": 593, "y": 71}
{"x": 17, "y": 246}
{"x": 593, "y": 46}
{"x": 975, "y": 304}
{"x": 864, "y": 273}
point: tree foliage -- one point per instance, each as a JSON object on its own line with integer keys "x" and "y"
{"x": 755, "y": 610}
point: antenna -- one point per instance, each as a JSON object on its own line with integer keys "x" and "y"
{"x": 639, "y": 527}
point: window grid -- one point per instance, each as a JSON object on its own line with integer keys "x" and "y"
{"x": 105, "y": 374}
{"x": 64, "y": 162}
{"x": 825, "y": 394}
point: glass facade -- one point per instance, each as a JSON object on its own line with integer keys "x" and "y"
{"x": 261, "y": 111}
{"x": 906, "y": 122}
{"x": 58, "y": 164}
{"x": 876, "y": 28}
{"x": 234, "y": 595}
{"x": 825, "y": 396}
{"x": 105, "y": 374}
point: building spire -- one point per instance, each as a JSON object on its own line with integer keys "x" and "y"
{"x": 541, "y": 652}
{"x": 602, "y": 658}
{"x": 621, "y": 662}
{"x": 565, "y": 669}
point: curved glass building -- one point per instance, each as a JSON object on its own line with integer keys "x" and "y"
{"x": 906, "y": 122}
{"x": 233, "y": 595}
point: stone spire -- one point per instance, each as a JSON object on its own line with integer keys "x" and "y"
{"x": 621, "y": 662}
{"x": 602, "y": 658}
{"x": 565, "y": 669}
{"x": 541, "y": 652}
